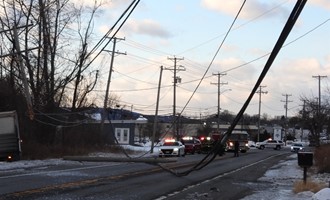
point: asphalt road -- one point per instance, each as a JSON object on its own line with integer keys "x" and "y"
{"x": 226, "y": 177}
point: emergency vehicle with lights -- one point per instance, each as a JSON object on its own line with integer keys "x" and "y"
{"x": 192, "y": 145}
{"x": 242, "y": 137}
{"x": 171, "y": 147}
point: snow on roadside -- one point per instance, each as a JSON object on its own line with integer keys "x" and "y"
{"x": 281, "y": 179}
{"x": 25, "y": 164}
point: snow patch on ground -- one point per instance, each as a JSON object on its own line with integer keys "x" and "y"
{"x": 281, "y": 179}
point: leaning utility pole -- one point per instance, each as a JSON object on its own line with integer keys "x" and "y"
{"x": 260, "y": 92}
{"x": 20, "y": 63}
{"x": 113, "y": 52}
{"x": 219, "y": 84}
{"x": 156, "y": 112}
{"x": 176, "y": 79}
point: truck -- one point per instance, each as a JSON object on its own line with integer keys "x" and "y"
{"x": 10, "y": 142}
{"x": 242, "y": 137}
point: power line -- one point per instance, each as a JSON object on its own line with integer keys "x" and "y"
{"x": 176, "y": 79}
{"x": 286, "y": 104}
{"x": 210, "y": 156}
{"x": 219, "y": 83}
{"x": 319, "y": 78}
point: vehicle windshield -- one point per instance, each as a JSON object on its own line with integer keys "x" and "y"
{"x": 299, "y": 145}
{"x": 235, "y": 136}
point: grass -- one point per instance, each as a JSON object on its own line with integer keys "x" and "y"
{"x": 314, "y": 187}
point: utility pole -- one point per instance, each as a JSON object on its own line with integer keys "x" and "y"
{"x": 20, "y": 63}
{"x": 113, "y": 52}
{"x": 156, "y": 112}
{"x": 286, "y": 104}
{"x": 260, "y": 92}
{"x": 286, "y": 114}
{"x": 176, "y": 79}
{"x": 219, "y": 84}
{"x": 304, "y": 117}
{"x": 319, "y": 103}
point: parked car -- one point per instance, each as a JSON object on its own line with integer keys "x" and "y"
{"x": 296, "y": 147}
{"x": 274, "y": 144}
{"x": 171, "y": 147}
{"x": 192, "y": 145}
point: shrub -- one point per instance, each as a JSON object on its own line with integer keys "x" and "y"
{"x": 322, "y": 158}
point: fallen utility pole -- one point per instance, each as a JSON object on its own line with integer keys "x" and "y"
{"x": 284, "y": 34}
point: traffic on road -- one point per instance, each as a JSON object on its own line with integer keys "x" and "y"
{"x": 110, "y": 180}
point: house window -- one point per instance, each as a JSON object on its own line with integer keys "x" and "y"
{"x": 122, "y": 135}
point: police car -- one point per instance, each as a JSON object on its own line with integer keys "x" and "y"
{"x": 171, "y": 147}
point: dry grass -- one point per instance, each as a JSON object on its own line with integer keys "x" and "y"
{"x": 314, "y": 187}
{"x": 322, "y": 158}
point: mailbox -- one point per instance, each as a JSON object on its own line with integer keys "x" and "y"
{"x": 305, "y": 159}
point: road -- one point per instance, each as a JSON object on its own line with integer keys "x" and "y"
{"x": 226, "y": 177}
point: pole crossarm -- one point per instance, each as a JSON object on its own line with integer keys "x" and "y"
{"x": 319, "y": 78}
{"x": 219, "y": 83}
{"x": 260, "y": 92}
{"x": 175, "y": 69}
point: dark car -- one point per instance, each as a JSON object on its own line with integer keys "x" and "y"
{"x": 207, "y": 144}
{"x": 192, "y": 145}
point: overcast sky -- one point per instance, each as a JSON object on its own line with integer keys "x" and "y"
{"x": 192, "y": 31}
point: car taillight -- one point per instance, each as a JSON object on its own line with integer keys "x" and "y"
{"x": 9, "y": 158}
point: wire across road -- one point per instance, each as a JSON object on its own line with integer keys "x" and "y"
{"x": 132, "y": 180}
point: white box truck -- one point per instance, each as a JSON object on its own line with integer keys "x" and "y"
{"x": 10, "y": 142}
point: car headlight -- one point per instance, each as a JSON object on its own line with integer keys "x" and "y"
{"x": 176, "y": 149}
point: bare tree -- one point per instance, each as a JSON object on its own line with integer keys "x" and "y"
{"x": 54, "y": 63}
{"x": 314, "y": 118}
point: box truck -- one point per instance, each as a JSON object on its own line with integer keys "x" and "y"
{"x": 10, "y": 142}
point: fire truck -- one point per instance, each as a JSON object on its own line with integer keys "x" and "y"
{"x": 242, "y": 137}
